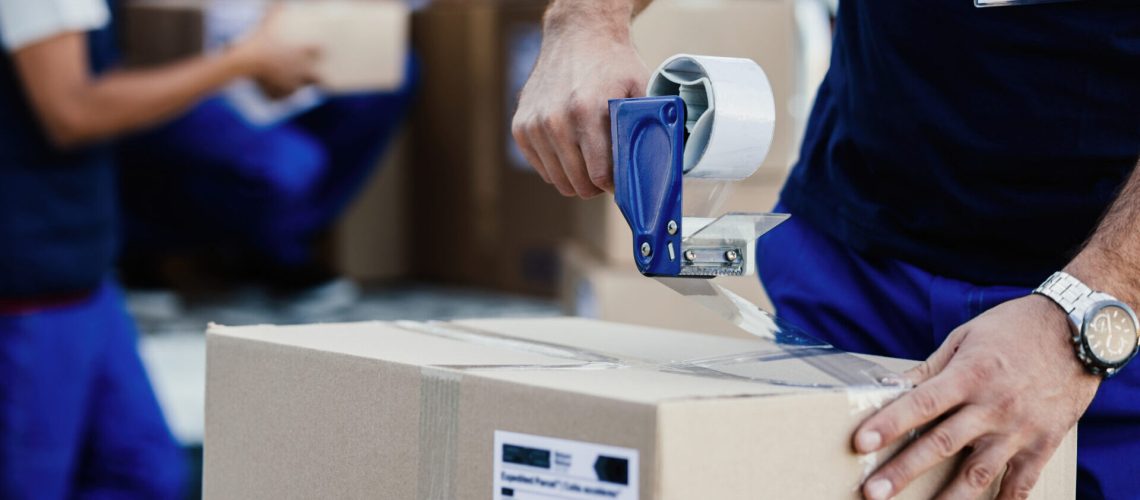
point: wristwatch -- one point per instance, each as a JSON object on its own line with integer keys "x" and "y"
{"x": 1105, "y": 332}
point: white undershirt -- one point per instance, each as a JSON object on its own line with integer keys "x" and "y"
{"x": 24, "y": 22}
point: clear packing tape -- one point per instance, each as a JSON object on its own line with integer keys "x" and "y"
{"x": 778, "y": 344}
{"x": 780, "y": 349}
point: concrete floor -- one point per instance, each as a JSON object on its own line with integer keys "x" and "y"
{"x": 173, "y": 346}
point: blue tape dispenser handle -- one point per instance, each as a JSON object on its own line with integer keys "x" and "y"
{"x": 648, "y": 149}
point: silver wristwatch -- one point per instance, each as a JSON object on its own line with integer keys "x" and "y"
{"x": 1105, "y": 332}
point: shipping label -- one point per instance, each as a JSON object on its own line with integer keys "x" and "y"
{"x": 531, "y": 467}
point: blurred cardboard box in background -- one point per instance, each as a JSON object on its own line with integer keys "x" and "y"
{"x": 370, "y": 243}
{"x": 479, "y": 221}
{"x": 364, "y": 43}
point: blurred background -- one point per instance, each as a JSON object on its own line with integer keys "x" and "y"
{"x": 394, "y": 190}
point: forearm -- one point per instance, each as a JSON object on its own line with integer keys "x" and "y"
{"x": 125, "y": 101}
{"x": 1110, "y": 261}
{"x": 613, "y": 17}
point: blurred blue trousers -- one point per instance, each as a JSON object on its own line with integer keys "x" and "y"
{"x": 887, "y": 307}
{"x": 78, "y": 417}
{"x": 209, "y": 178}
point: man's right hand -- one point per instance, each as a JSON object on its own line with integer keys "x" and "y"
{"x": 562, "y": 123}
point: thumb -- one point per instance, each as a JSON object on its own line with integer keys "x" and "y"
{"x": 937, "y": 361}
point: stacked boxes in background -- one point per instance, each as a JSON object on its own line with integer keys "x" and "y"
{"x": 454, "y": 202}
{"x": 479, "y": 220}
{"x": 364, "y": 45}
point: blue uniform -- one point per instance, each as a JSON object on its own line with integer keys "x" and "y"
{"x": 78, "y": 418}
{"x": 955, "y": 157}
{"x": 211, "y": 178}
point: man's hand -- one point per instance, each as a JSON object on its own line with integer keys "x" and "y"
{"x": 562, "y": 123}
{"x": 1007, "y": 386}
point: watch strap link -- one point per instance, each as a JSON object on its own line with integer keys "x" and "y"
{"x": 1070, "y": 294}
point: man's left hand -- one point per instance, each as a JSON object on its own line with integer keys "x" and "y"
{"x": 1007, "y": 386}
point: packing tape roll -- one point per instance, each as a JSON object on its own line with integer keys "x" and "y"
{"x": 730, "y": 113}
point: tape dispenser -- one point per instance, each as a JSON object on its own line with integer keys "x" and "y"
{"x": 707, "y": 123}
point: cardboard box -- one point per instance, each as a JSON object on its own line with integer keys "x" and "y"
{"x": 364, "y": 43}
{"x": 572, "y": 409}
{"x": 371, "y": 241}
{"x": 478, "y": 220}
{"x": 594, "y": 289}
{"x": 762, "y": 30}
{"x": 600, "y": 227}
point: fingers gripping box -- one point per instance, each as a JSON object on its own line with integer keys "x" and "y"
{"x": 546, "y": 408}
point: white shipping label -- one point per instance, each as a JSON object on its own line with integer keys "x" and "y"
{"x": 531, "y": 467}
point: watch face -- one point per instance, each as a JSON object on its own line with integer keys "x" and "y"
{"x": 1111, "y": 334}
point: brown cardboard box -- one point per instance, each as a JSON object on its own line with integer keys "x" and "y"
{"x": 594, "y": 289}
{"x": 761, "y": 30}
{"x": 571, "y": 409}
{"x": 371, "y": 241}
{"x": 478, "y": 221}
{"x": 364, "y": 43}
{"x": 600, "y": 227}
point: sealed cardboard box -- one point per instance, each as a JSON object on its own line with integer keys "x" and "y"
{"x": 364, "y": 43}
{"x": 592, "y": 288}
{"x": 551, "y": 409}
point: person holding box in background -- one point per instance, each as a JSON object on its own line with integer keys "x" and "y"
{"x": 78, "y": 417}
{"x": 955, "y": 159}
{"x": 249, "y": 188}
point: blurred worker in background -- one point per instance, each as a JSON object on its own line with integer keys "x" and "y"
{"x": 251, "y": 199}
{"x": 78, "y": 418}
{"x": 955, "y": 157}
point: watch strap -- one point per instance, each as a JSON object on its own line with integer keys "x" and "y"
{"x": 1070, "y": 295}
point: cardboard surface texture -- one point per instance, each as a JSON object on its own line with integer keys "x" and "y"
{"x": 406, "y": 411}
{"x": 363, "y": 43}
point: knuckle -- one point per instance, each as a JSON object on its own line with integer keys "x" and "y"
{"x": 944, "y": 444}
{"x": 979, "y": 475}
{"x": 630, "y": 83}
{"x": 925, "y": 404}
{"x": 518, "y": 131}
{"x": 600, "y": 176}
{"x": 579, "y": 108}
{"x": 1007, "y": 405}
{"x": 898, "y": 474}
{"x": 991, "y": 366}
{"x": 923, "y": 369}
{"x": 1021, "y": 491}
{"x": 533, "y": 128}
